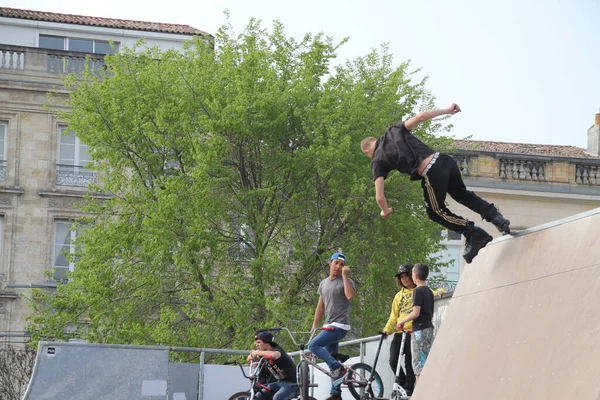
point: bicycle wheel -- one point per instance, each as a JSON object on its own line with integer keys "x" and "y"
{"x": 357, "y": 380}
{"x": 240, "y": 396}
{"x": 303, "y": 380}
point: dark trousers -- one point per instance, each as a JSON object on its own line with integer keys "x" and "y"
{"x": 444, "y": 178}
{"x": 406, "y": 380}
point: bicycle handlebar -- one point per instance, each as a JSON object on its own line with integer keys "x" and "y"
{"x": 312, "y": 334}
{"x": 254, "y": 366}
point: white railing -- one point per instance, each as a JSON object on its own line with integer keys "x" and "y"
{"x": 21, "y": 58}
{"x": 12, "y": 59}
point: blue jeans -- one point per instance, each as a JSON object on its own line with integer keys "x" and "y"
{"x": 284, "y": 390}
{"x": 323, "y": 345}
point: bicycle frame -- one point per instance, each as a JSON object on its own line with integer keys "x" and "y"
{"x": 305, "y": 355}
{"x": 352, "y": 378}
{"x": 369, "y": 387}
{"x": 255, "y": 369}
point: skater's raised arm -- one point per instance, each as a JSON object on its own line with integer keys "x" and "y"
{"x": 380, "y": 197}
{"x": 427, "y": 115}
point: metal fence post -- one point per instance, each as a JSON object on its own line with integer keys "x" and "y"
{"x": 201, "y": 377}
{"x": 362, "y": 351}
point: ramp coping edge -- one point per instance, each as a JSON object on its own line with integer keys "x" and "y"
{"x": 547, "y": 225}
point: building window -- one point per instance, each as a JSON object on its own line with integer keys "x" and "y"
{"x": 72, "y": 158}
{"x": 81, "y": 45}
{"x": 3, "y": 130}
{"x": 451, "y": 255}
{"x": 64, "y": 245}
{"x": 52, "y": 42}
{"x": 103, "y": 47}
{"x": 90, "y": 46}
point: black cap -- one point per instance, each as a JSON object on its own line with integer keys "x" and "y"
{"x": 265, "y": 336}
{"x": 404, "y": 269}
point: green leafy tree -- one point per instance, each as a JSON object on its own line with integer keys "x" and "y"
{"x": 233, "y": 170}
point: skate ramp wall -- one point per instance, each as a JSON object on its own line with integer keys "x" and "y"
{"x": 524, "y": 321}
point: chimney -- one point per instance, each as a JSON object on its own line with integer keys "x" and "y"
{"x": 594, "y": 137}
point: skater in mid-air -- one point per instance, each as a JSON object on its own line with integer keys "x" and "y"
{"x": 439, "y": 174}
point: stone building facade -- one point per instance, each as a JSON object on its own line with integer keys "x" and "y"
{"x": 42, "y": 167}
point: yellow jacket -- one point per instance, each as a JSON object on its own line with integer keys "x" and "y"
{"x": 401, "y": 307}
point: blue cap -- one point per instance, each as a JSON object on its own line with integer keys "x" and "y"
{"x": 338, "y": 256}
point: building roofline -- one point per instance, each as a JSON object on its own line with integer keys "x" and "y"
{"x": 499, "y": 154}
{"x": 147, "y": 26}
{"x": 543, "y": 152}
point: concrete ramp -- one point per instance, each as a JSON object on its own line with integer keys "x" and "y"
{"x": 524, "y": 322}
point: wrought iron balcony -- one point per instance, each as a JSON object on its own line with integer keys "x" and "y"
{"x": 74, "y": 175}
{"x": 2, "y": 170}
{"x": 449, "y": 286}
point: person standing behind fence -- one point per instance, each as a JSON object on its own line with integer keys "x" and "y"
{"x": 422, "y": 319}
{"x": 401, "y": 307}
{"x": 335, "y": 293}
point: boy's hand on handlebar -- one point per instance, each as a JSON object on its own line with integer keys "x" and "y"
{"x": 400, "y": 326}
{"x": 253, "y": 356}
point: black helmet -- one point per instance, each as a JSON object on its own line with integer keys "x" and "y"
{"x": 404, "y": 269}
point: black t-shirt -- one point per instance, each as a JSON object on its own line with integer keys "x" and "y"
{"x": 398, "y": 149}
{"x": 283, "y": 369}
{"x": 423, "y": 297}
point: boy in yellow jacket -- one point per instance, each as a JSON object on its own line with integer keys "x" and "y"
{"x": 402, "y": 305}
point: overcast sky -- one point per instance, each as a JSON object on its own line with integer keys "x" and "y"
{"x": 525, "y": 71}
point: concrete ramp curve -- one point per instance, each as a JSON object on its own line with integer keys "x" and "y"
{"x": 524, "y": 321}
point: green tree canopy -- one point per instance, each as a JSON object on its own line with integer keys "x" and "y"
{"x": 234, "y": 170}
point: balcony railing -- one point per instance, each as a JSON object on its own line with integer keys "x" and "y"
{"x": 11, "y": 58}
{"x": 587, "y": 174}
{"x": 2, "y": 170}
{"x": 21, "y": 58}
{"x": 449, "y": 286}
{"x": 463, "y": 162}
{"x": 528, "y": 170}
{"x": 74, "y": 175}
{"x": 66, "y": 64}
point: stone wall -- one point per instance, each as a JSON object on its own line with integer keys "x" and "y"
{"x": 29, "y": 199}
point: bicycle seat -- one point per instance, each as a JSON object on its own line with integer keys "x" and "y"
{"x": 340, "y": 357}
